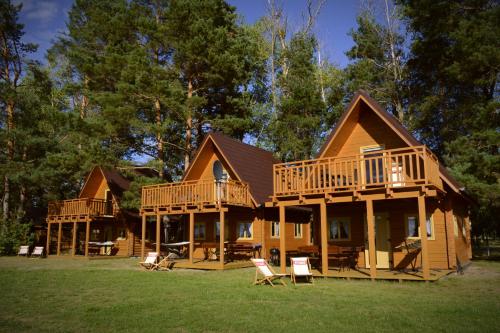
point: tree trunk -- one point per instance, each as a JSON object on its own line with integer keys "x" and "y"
{"x": 21, "y": 209}
{"x": 189, "y": 127}
{"x": 10, "y": 156}
{"x": 159, "y": 139}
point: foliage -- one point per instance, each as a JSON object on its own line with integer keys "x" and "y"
{"x": 13, "y": 234}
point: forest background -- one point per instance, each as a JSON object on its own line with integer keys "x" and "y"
{"x": 145, "y": 80}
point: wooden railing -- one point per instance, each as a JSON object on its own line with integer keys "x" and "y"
{"x": 80, "y": 207}
{"x": 394, "y": 168}
{"x": 196, "y": 193}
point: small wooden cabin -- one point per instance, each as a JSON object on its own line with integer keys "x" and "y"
{"x": 227, "y": 181}
{"x": 374, "y": 188}
{"x": 94, "y": 223}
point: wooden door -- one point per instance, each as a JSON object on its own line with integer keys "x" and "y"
{"x": 109, "y": 203}
{"x": 382, "y": 242}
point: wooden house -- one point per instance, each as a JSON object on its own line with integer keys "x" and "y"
{"x": 94, "y": 223}
{"x": 374, "y": 188}
{"x": 222, "y": 193}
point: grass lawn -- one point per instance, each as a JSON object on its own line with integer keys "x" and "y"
{"x": 65, "y": 295}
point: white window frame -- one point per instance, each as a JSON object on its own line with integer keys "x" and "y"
{"x": 343, "y": 220}
{"x": 275, "y": 230}
{"x": 298, "y": 227}
{"x": 429, "y": 217}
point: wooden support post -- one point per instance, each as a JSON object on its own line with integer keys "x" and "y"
{"x": 423, "y": 236}
{"x": 158, "y": 233}
{"x": 48, "y": 239}
{"x": 73, "y": 243}
{"x": 450, "y": 233}
{"x": 370, "y": 219}
{"x": 282, "y": 240}
{"x": 87, "y": 238}
{"x": 191, "y": 237}
{"x": 143, "y": 237}
{"x": 59, "y": 234}
{"x": 324, "y": 238}
{"x": 221, "y": 237}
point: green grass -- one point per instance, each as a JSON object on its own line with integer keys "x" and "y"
{"x": 64, "y": 295}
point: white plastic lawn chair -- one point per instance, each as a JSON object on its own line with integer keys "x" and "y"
{"x": 301, "y": 267}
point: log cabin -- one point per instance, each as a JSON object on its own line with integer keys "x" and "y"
{"x": 379, "y": 195}
{"x": 223, "y": 192}
{"x": 95, "y": 224}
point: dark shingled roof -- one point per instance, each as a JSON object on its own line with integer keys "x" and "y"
{"x": 251, "y": 164}
{"x": 116, "y": 182}
{"x": 400, "y": 129}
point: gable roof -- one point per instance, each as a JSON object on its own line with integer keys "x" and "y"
{"x": 250, "y": 164}
{"x": 393, "y": 123}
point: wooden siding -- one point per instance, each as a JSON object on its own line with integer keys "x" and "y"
{"x": 396, "y": 168}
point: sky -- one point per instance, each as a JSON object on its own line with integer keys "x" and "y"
{"x": 45, "y": 19}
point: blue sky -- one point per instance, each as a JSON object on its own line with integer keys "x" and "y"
{"x": 44, "y": 19}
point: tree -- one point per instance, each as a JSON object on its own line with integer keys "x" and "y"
{"x": 454, "y": 70}
{"x": 377, "y": 60}
{"x": 301, "y": 110}
{"x": 216, "y": 61}
{"x": 12, "y": 65}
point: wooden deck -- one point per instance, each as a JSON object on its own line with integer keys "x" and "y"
{"x": 394, "y": 170}
{"x": 207, "y": 193}
{"x": 79, "y": 210}
{"x": 211, "y": 265}
{"x": 382, "y": 274}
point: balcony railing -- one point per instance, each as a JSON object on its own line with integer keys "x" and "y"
{"x": 80, "y": 207}
{"x": 195, "y": 193}
{"x": 394, "y": 168}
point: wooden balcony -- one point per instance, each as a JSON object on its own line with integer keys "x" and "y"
{"x": 394, "y": 170}
{"x": 79, "y": 210}
{"x": 198, "y": 194}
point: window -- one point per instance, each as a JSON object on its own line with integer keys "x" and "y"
{"x": 245, "y": 230}
{"x": 339, "y": 228}
{"x": 199, "y": 230}
{"x": 275, "y": 230}
{"x": 217, "y": 230}
{"x": 412, "y": 226}
{"x": 297, "y": 230}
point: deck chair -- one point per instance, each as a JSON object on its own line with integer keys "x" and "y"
{"x": 268, "y": 275}
{"x": 301, "y": 267}
{"x": 167, "y": 262}
{"x": 23, "y": 250}
{"x": 151, "y": 261}
{"x": 37, "y": 252}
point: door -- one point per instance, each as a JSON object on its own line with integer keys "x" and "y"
{"x": 382, "y": 241}
{"x": 372, "y": 166}
{"x": 109, "y": 203}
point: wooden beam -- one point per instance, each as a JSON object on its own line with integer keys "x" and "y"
{"x": 370, "y": 219}
{"x": 221, "y": 238}
{"x": 422, "y": 217}
{"x": 73, "y": 243}
{"x": 282, "y": 239}
{"x": 59, "y": 234}
{"x": 191, "y": 237}
{"x": 158, "y": 233}
{"x": 48, "y": 238}
{"x": 87, "y": 238}
{"x": 143, "y": 237}
{"x": 324, "y": 238}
